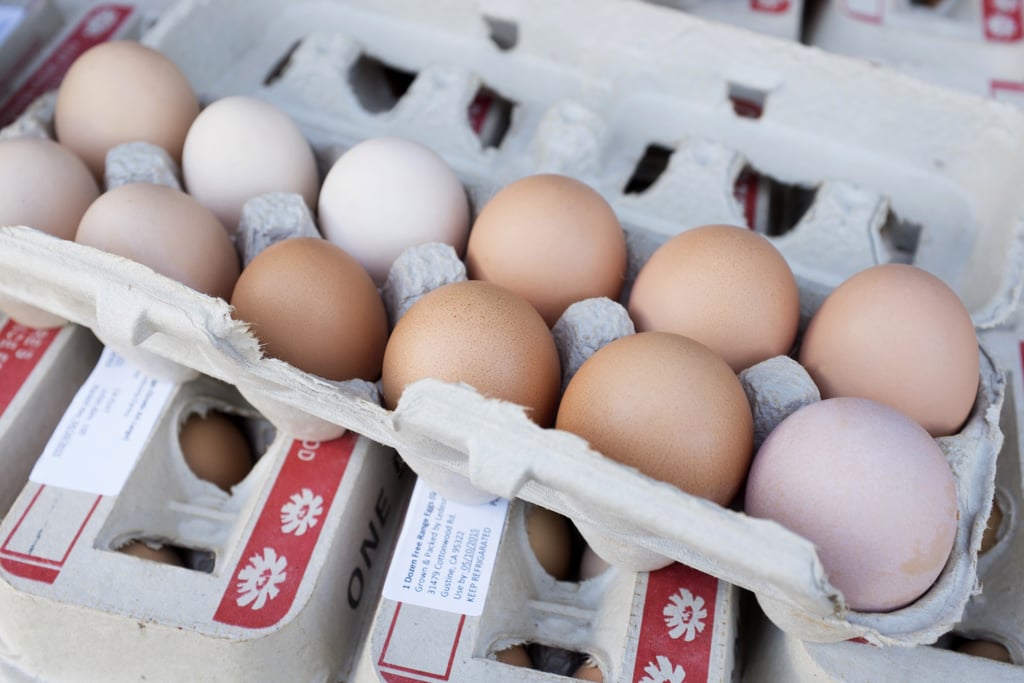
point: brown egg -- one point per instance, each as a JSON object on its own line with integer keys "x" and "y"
{"x": 481, "y": 334}
{"x": 312, "y": 305}
{"x": 550, "y": 539}
{"x": 123, "y": 91}
{"x": 515, "y": 655}
{"x": 588, "y": 671}
{"x": 166, "y": 230}
{"x": 215, "y": 449}
{"x": 668, "y": 406}
{"x": 986, "y": 649}
{"x": 727, "y": 287}
{"x": 46, "y": 187}
{"x": 991, "y": 535}
{"x": 898, "y": 335}
{"x": 552, "y": 240}
{"x": 163, "y": 554}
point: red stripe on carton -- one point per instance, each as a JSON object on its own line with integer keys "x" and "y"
{"x": 678, "y": 626}
{"x": 770, "y": 6}
{"x": 269, "y": 572}
{"x": 21, "y": 349}
{"x": 407, "y": 630}
{"x": 1003, "y": 20}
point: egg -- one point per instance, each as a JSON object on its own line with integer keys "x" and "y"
{"x": 46, "y": 187}
{"x": 987, "y": 649}
{"x": 516, "y": 655}
{"x": 668, "y": 406}
{"x": 483, "y": 335}
{"x": 163, "y": 554}
{"x": 727, "y": 287}
{"x": 551, "y": 239}
{"x": 550, "y": 537}
{"x": 215, "y": 449}
{"x": 991, "y": 535}
{"x": 240, "y": 147}
{"x": 166, "y": 230}
{"x": 897, "y": 334}
{"x": 123, "y": 91}
{"x": 588, "y": 671}
{"x": 870, "y": 488}
{"x": 312, "y": 305}
{"x": 387, "y": 194}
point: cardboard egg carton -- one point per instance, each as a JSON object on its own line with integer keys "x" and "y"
{"x": 663, "y": 625}
{"x": 589, "y": 103}
{"x": 780, "y": 18}
{"x": 281, "y": 573}
{"x": 970, "y": 45}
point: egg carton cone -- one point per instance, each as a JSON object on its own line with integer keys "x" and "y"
{"x": 280, "y": 573}
{"x": 971, "y": 45}
{"x": 40, "y": 371}
{"x": 780, "y": 18}
{"x": 770, "y": 654}
{"x": 665, "y": 625}
{"x": 897, "y": 170}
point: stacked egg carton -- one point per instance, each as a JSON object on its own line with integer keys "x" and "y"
{"x": 252, "y": 599}
{"x": 588, "y": 102}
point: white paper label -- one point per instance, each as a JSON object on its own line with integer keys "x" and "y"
{"x": 103, "y": 431}
{"x": 445, "y": 553}
{"x": 10, "y": 17}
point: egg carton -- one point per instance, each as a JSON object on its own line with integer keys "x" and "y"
{"x": 973, "y": 46}
{"x": 25, "y": 26}
{"x": 667, "y": 624}
{"x": 780, "y": 18}
{"x": 40, "y": 370}
{"x": 266, "y": 593}
{"x": 588, "y": 103}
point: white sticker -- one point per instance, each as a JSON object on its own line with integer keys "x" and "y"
{"x": 10, "y": 17}
{"x": 445, "y": 553}
{"x": 103, "y": 431}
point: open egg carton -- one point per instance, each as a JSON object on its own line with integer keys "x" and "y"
{"x": 893, "y": 170}
{"x": 244, "y": 592}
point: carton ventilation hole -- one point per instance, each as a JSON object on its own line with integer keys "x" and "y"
{"x": 163, "y": 552}
{"x": 747, "y": 102}
{"x": 378, "y": 86}
{"x": 901, "y": 237}
{"x": 547, "y": 658}
{"x": 769, "y": 206}
{"x": 281, "y": 65}
{"x": 503, "y": 33}
{"x": 490, "y": 116}
{"x": 648, "y": 169}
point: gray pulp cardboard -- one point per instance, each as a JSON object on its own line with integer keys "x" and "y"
{"x": 588, "y": 102}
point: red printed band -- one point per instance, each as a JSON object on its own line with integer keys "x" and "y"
{"x": 99, "y": 25}
{"x": 871, "y": 11}
{"x": 268, "y": 575}
{"x": 770, "y": 6}
{"x": 675, "y": 637}
{"x": 21, "y": 349}
{"x": 1004, "y": 20}
{"x": 403, "y": 654}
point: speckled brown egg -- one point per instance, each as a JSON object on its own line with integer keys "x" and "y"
{"x": 312, "y": 305}
{"x": 551, "y": 239}
{"x": 727, "y": 287}
{"x": 668, "y": 406}
{"x": 483, "y": 335}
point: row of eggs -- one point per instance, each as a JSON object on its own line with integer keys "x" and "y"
{"x": 892, "y": 350}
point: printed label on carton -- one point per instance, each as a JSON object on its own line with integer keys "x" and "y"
{"x": 445, "y": 553}
{"x": 10, "y": 17}
{"x": 98, "y": 25}
{"x": 101, "y": 435}
{"x": 270, "y": 570}
{"x": 21, "y": 349}
{"x": 1004, "y": 20}
{"x": 677, "y": 628}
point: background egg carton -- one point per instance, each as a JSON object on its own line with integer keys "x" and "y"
{"x": 594, "y": 102}
{"x": 622, "y": 621}
{"x": 60, "y": 571}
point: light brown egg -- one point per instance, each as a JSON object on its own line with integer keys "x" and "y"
{"x": 215, "y": 449}
{"x": 516, "y": 655}
{"x": 46, "y": 187}
{"x": 991, "y": 535}
{"x": 898, "y": 335}
{"x": 727, "y": 287}
{"x": 550, "y": 539}
{"x": 986, "y": 649}
{"x": 481, "y": 334}
{"x": 668, "y": 406}
{"x": 552, "y": 240}
{"x": 163, "y": 554}
{"x": 588, "y": 671}
{"x": 312, "y": 305}
{"x": 123, "y": 91}
{"x": 166, "y": 230}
